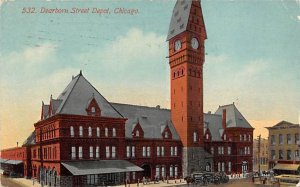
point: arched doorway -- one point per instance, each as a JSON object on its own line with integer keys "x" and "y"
{"x": 147, "y": 171}
{"x": 208, "y": 167}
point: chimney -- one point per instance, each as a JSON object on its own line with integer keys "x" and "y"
{"x": 224, "y": 119}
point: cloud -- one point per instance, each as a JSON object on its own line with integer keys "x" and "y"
{"x": 30, "y": 56}
{"x": 132, "y": 48}
{"x": 253, "y": 68}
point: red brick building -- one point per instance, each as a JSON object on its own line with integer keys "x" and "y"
{"x": 83, "y": 139}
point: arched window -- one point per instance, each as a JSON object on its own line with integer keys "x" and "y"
{"x": 207, "y": 136}
{"x": 114, "y": 133}
{"x": 137, "y": 133}
{"x": 72, "y": 131}
{"x": 90, "y": 131}
{"x": 195, "y": 136}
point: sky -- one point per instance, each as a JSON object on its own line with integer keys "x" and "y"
{"x": 252, "y": 57}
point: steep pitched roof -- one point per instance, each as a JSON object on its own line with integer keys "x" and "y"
{"x": 151, "y": 119}
{"x": 180, "y": 18}
{"x": 75, "y": 97}
{"x": 30, "y": 140}
{"x": 233, "y": 117}
{"x": 213, "y": 122}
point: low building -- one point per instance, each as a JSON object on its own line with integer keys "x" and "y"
{"x": 284, "y": 145}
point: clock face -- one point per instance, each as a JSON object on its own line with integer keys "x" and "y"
{"x": 177, "y": 45}
{"x": 195, "y": 43}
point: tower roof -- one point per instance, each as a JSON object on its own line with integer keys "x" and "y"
{"x": 180, "y": 17}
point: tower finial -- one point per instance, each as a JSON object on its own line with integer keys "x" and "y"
{"x": 51, "y": 97}
{"x": 80, "y": 73}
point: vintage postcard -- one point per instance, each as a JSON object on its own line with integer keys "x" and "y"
{"x": 149, "y": 92}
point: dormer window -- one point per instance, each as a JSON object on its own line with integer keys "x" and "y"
{"x": 137, "y": 133}
{"x": 166, "y": 135}
{"x": 224, "y": 137}
{"x": 207, "y": 136}
{"x": 93, "y": 108}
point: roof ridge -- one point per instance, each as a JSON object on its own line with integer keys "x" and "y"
{"x": 152, "y": 107}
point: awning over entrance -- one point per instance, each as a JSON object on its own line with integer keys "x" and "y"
{"x": 288, "y": 167}
{"x": 13, "y": 162}
{"x": 100, "y": 167}
{"x": 2, "y": 160}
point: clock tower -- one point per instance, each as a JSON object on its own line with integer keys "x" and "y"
{"x": 186, "y": 57}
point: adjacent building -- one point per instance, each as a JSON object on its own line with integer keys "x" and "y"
{"x": 284, "y": 145}
{"x": 83, "y": 139}
{"x": 260, "y": 154}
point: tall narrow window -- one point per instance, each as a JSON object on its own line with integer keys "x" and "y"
{"x": 172, "y": 151}
{"x": 137, "y": 133}
{"x": 133, "y": 151}
{"x": 163, "y": 173}
{"x": 98, "y": 132}
{"x": 157, "y": 151}
{"x": 93, "y": 110}
{"x": 114, "y": 133}
{"x": 91, "y": 152}
{"x": 128, "y": 151}
{"x": 162, "y": 151}
{"x": 223, "y": 166}
{"x": 212, "y": 150}
{"x": 80, "y": 131}
{"x": 106, "y": 132}
{"x": 148, "y": 151}
{"x": 97, "y": 152}
{"x": 107, "y": 153}
{"x": 171, "y": 171}
{"x": 229, "y": 166}
{"x": 80, "y": 152}
{"x": 73, "y": 152}
{"x": 175, "y": 151}
{"x": 176, "y": 171}
{"x": 90, "y": 131}
{"x": 113, "y": 152}
{"x": 195, "y": 136}
{"x": 289, "y": 139}
{"x": 72, "y": 131}
{"x": 157, "y": 174}
{"x": 144, "y": 151}
{"x": 229, "y": 150}
{"x": 280, "y": 139}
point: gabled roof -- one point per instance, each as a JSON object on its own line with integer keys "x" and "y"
{"x": 213, "y": 122}
{"x": 76, "y": 96}
{"x": 233, "y": 117}
{"x": 151, "y": 119}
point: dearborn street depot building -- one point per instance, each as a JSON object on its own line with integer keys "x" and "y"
{"x": 82, "y": 139}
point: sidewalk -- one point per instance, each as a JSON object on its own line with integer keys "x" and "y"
{"x": 160, "y": 184}
{"x": 25, "y": 182}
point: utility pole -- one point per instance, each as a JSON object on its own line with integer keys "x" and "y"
{"x": 259, "y": 155}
